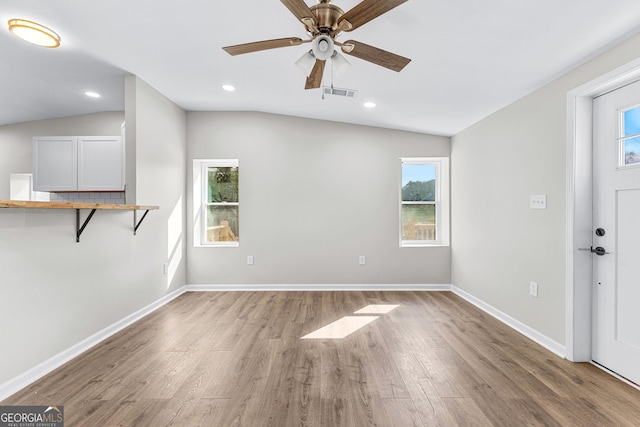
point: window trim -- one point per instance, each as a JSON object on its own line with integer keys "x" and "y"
{"x": 204, "y": 169}
{"x": 441, "y": 201}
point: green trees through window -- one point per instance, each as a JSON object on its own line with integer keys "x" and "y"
{"x": 222, "y": 203}
{"x": 419, "y": 201}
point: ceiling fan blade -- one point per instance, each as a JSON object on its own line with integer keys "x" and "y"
{"x": 364, "y": 12}
{"x": 240, "y": 49}
{"x": 315, "y": 77}
{"x": 375, "y": 55}
{"x": 301, "y": 11}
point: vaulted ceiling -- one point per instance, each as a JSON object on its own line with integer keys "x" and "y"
{"x": 469, "y": 58}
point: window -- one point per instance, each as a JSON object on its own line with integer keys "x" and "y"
{"x": 424, "y": 201}
{"x": 220, "y": 203}
{"x": 630, "y": 137}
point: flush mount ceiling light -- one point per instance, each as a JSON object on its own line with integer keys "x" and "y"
{"x": 228, "y": 88}
{"x": 92, "y": 94}
{"x": 369, "y": 104}
{"x": 33, "y": 32}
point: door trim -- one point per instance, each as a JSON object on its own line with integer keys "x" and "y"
{"x": 578, "y": 311}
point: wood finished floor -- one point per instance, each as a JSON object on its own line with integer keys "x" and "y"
{"x": 236, "y": 359}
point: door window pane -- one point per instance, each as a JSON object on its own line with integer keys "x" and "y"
{"x": 631, "y": 151}
{"x": 631, "y": 120}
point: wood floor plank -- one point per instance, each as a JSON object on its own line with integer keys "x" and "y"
{"x": 305, "y": 406}
{"x": 361, "y": 387}
{"x": 237, "y": 359}
{"x": 336, "y": 404}
{"x": 428, "y": 403}
{"x": 384, "y": 371}
{"x": 400, "y": 412}
{"x": 466, "y": 412}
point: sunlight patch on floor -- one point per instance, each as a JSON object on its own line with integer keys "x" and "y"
{"x": 377, "y": 309}
{"x": 349, "y": 324}
{"x": 341, "y": 327}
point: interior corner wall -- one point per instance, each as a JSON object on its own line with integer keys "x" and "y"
{"x": 55, "y": 292}
{"x": 160, "y": 179}
{"x": 499, "y": 244}
{"x": 314, "y": 196}
{"x": 130, "y": 111}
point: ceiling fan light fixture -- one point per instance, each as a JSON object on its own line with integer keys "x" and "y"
{"x": 339, "y": 63}
{"x": 34, "y": 33}
{"x": 322, "y": 47}
{"x": 306, "y": 62}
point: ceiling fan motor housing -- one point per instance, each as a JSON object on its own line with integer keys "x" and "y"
{"x": 327, "y": 16}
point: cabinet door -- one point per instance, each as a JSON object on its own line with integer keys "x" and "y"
{"x": 100, "y": 163}
{"x": 55, "y": 163}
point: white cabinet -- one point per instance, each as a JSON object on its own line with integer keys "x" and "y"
{"x": 78, "y": 163}
{"x": 100, "y": 163}
{"x": 55, "y": 163}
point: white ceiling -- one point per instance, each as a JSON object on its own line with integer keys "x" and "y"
{"x": 469, "y": 57}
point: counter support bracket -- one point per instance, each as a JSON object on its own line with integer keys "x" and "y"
{"x": 80, "y": 229}
{"x": 136, "y": 223}
{"x": 27, "y": 204}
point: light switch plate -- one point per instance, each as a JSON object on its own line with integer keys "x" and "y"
{"x": 538, "y": 202}
{"x": 533, "y": 289}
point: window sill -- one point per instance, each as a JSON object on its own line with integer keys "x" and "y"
{"x": 423, "y": 245}
{"x": 217, "y": 245}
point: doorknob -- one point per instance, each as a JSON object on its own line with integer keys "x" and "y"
{"x": 600, "y": 251}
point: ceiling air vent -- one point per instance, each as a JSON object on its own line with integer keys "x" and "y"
{"x": 330, "y": 90}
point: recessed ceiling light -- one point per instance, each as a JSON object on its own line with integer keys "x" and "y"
{"x": 369, "y": 104}
{"x": 228, "y": 88}
{"x": 92, "y": 94}
{"x": 33, "y": 32}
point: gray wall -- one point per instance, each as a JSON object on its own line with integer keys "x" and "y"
{"x": 56, "y": 292}
{"x": 499, "y": 245}
{"x": 314, "y": 195}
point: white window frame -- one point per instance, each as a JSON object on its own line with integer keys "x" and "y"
{"x": 201, "y": 168}
{"x": 441, "y": 202}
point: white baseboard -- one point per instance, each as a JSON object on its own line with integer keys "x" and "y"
{"x": 315, "y": 287}
{"x": 18, "y": 383}
{"x": 525, "y": 330}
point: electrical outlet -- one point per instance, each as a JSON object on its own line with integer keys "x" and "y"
{"x": 362, "y": 260}
{"x": 533, "y": 289}
{"x": 538, "y": 202}
{"x": 250, "y": 260}
{"x": 165, "y": 268}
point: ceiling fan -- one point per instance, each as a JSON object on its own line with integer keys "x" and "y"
{"x": 324, "y": 21}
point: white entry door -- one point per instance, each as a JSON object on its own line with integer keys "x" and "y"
{"x": 616, "y": 231}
